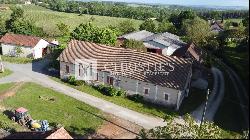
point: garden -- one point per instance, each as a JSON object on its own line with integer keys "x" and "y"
{"x": 46, "y": 104}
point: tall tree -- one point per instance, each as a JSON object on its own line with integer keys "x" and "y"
{"x": 166, "y": 26}
{"x": 148, "y": 25}
{"x": 177, "y": 19}
{"x": 2, "y": 26}
{"x": 89, "y": 32}
{"x": 17, "y": 13}
{"x": 197, "y": 31}
{"x": 126, "y": 26}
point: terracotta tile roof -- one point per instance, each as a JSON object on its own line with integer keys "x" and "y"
{"x": 105, "y": 54}
{"x": 21, "y": 40}
{"x": 60, "y": 134}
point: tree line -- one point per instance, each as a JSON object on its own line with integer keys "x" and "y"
{"x": 116, "y": 9}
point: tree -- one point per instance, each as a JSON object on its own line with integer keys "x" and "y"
{"x": 89, "y": 32}
{"x": 197, "y": 31}
{"x": 26, "y": 27}
{"x": 106, "y": 36}
{"x": 177, "y": 19}
{"x": 127, "y": 26}
{"x": 166, "y": 26}
{"x": 17, "y": 13}
{"x": 63, "y": 28}
{"x": 148, "y": 25}
{"x": 2, "y": 26}
{"x": 187, "y": 130}
{"x": 134, "y": 44}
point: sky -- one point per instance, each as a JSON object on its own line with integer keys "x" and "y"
{"x": 244, "y": 3}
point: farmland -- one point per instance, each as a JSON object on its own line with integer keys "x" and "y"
{"x": 47, "y": 19}
{"x": 46, "y": 104}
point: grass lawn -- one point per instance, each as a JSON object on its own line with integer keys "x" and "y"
{"x": 18, "y": 60}
{"x": 46, "y": 104}
{"x": 47, "y": 19}
{"x": 4, "y": 87}
{"x": 142, "y": 107}
{"x": 5, "y": 73}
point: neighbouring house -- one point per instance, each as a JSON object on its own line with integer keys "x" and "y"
{"x": 159, "y": 79}
{"x": 216, "y": 26}
{"x": 31, "y": 46}
{"x": 161, "y": 43}
{"x": 191, "y": 51}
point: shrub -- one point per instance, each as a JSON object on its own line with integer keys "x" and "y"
{"x": 121, "y": 92}
{"x": 110, "y": 91}
{"x": 72, "y": 80}
{"x": 135, "y": 97}
{"x": 79, "y": 82}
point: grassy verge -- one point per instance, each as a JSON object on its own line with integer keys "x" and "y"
{"x": 46, "y": 104}
{"x": 5, "y": 73}
{"x": 142, "y": 107}
{"x": 18, "y": 60}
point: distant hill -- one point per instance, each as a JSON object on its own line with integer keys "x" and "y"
{"x": 172, "y": 6}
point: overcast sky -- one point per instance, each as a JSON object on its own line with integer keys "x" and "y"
{"x": 194, "y": 2}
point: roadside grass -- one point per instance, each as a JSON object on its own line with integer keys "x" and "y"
{"x": 5, "y": 73}
{"x": 47, "y": 19}
{"x": 142, "y": 107}
{"x": 4, "y": 87}
{"x": 17, "y": 60}
{"x": 46, "y": 104}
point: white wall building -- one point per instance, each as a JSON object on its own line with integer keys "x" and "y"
{"x": 32, "y": 47}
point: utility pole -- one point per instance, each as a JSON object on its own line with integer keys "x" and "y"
{"x": 205, "y": 108}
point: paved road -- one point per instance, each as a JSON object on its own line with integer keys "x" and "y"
{"x": 32, "y": 73}
{"x": 214, "y": 99}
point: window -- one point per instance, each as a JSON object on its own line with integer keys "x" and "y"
{"x": 67, "y": 69}
{"x": 110, "y": 80}
{"x": 166, "y": 96}
{"x": 146, "y": 91}
{"x": 79, "y": 70}
{"x": 97, "y": 76}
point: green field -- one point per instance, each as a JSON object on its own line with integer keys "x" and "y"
{"x": 48, "y": 19}
{"x": 46, "y": 104}
{"x": 5, "y": 73}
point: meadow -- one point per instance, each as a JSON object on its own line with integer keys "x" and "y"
{"x": 47, "y": 19}
{"x": 46, "y": 104}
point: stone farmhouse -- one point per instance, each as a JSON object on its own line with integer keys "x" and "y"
{"x": 160, "y": 79}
